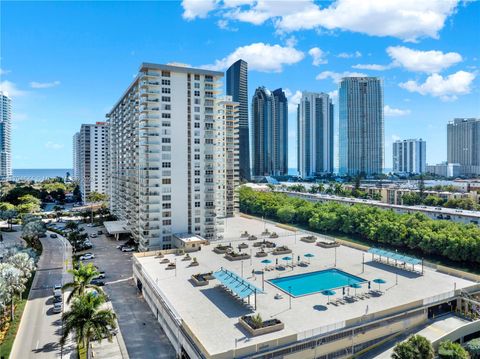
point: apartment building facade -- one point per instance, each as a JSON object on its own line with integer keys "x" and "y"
{"x": 463, "y": 144}
{"x": 269, "y": 133}
{"x": 5, "y": 137}
{"x": 409, "y": 156}
{"x": 315, "y": 131}
{"x": 168, "y": 163}
{"x": 90, "y": 158}
{"x": 361, "y": 126}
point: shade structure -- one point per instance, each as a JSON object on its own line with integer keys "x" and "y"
{"x": 379, "y": 281}
{"x": 287, "y": 258}
{"x": 235, "y": 283}
{"x": 266, "y": 261}
{"x": 328, "y": 293}
{"x": 309, "y": 255}
{"x": 395, "y": 256}
{"x": 355, "y": 286}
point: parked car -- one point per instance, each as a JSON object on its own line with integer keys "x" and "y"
{"x": 57, "y": 307}
{"x": 93, "y": 235}
{"x": 57, "y": 295}
{"x": 89, "y": 225}
{"x": 128, "y": 249}
{"x": 57, "y": 287}
{"x": 98, "y": 282}
{"x": 101, "y": 275}
{"x": 99, "y": 233}
{"x": 53, "y": 235}
{"x": 120, "y": 246}
{"x": 87, "y": 256}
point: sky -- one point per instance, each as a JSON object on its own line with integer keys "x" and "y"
{"x": 67, "y": 63}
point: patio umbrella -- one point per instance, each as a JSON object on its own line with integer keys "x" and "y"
{"x": 379, "y": 281}
{"x": 355, "y": 286}
{"x": 309, "y": 255}
{"x": 266, "y": 261}
{"x": 287, "y": 258}
{"x": 328, "y": 293}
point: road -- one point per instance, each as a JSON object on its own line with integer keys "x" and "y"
{"x": 40, "y": 329}
{"x": 144, "y": 337}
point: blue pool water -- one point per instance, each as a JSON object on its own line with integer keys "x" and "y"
{"x": 314, "y": 282}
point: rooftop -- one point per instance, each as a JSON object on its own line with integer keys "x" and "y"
{"x": 309, "y": 315}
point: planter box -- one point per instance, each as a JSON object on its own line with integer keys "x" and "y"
{"x": 243, "y": 245}
{"x": 193, "y": 264}
{"x": 309, "y": 239}
{"x": 237, "y": 258}
{"x": 261, "y": 254}
{"x": 328, "y": 244}
{"x": 199, "y": 282}
{"x": 264, "y": 330}
{"x": 221, "y": 250}
{"x": 282, "y": 251}
{"x": 245, "y": 235}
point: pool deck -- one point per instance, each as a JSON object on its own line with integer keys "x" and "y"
{"x": 212, "y": 313}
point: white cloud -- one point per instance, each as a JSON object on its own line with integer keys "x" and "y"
{"x": 422, "y": 61}
{"x": 10, "y": 89}
{"x": 373, "y": 67}
{"x": 404, "y": 19}
{"x": 4, "y": 72}
{"x": 446, "y": 88}
{"x": 197, "y": 8}
{"x": 396, "y": 138}
{"x": 44, "y": 85}
{"x": 394, "y": 112}
{"x": 53, "y": 146}
{"x": 260, "y": 57}
{"x": 337, "y": 76}
{"x": 291, "y": 41}
{"x": 225, "y": 25}
{"x": 293, "y": 99}
{"x": 318, "y": 56}
{"x": 346, "y": 55}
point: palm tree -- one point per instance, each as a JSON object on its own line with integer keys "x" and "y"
{"x": 88, "y": 321}
{"x": 82, "y": 277}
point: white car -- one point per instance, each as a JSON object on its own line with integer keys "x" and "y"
{"x": 87, "y": 256}
{"x": 57, "y": 307}
{"x": 93, "y": 235}
{"x": 89, "y": 225}
{"x": 128, "y": 249}
{"x": 57, "y": 287}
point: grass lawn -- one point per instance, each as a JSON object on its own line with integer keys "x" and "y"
{"x": 6, "y": 345}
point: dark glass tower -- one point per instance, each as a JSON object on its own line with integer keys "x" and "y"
{"x": 237, "y": 87}
{"x": 269, "y": 133}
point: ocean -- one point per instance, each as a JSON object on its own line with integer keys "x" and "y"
{"x": 39, "y": 174}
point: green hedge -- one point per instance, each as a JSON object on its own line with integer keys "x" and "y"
{"x": 453, "y": 241}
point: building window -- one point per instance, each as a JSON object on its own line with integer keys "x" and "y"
{"x": 166, "y": 165}
{"x": 197, "y": 204}
{"x": 166, "y": 181}
{"x": 197, "y": 125}
{"x": 165, "y": 73}
{"x": 165, "y": 90}
{"x": 196, "y": 77}
{"x": 167, "y": 222}
{"x": 166, "y": 197}
{"x": 166, "y": 140}
{"x": 197, "y": 141}
{"x": 165, "y": 82}
{"x": 166, "y": 205}
{"x": 166, "y": 98}
{"x": 166, "y": 115}
{"x": 197, "y": 157}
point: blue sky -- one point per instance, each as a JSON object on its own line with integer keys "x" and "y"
{"x": 66, "y": 63}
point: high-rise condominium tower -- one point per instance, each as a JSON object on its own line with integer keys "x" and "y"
{"x": 361, "y": 126}
{"x": 409, "y": 156}
{"x": 172, "y": 155}
{"x": 269, "y": 132}
{"x": 463, "y": 144}
{"x": 5, "y": 137}
{"x": 90, "y": 158}
{"x": 237, "y": 87}
{"x": 315, "y": 134}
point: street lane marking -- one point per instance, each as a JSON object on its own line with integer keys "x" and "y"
{"x": 119, "y": 280}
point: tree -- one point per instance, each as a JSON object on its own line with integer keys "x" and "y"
{"x": 77, "y": 195}
{"x": 71, "y": 226}
{"x": 7, "y": 213}
{"x": 32, "y": 229}
{"x": 95, "y": 197}
{"x": 451, "y": 350}
{"x": 28, "y": 204}
{"x": 421, "y": 187}
{"x": 286, "y": 214}
{"x": 415, "y": 347}
{"x": 473, "y": 348}
{"x": 82, "y": 277}
{"x": 13, "y": 281}
{"x": 88, "y": 321}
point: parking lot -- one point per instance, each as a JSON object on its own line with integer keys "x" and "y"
{"x": 143, "y": 336}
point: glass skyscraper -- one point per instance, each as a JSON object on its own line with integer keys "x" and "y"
{"x": 463, "y": 144}
{"x": 315, "y": 134}
{"x": 269, "y": 132}
{"x": 361, "y": 126}
{"x": 5, "y": 137}
{"x": 237, "y": 87}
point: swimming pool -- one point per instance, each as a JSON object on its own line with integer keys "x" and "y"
{"x": 314, "y": 282}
